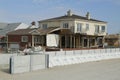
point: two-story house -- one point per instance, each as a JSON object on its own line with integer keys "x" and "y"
{"x": 77, "y": 31}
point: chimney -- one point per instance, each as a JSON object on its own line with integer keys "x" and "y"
{"x": 88, "y": 15}
{"x": 69, "y": 13}
{"x": 33, "y": 23}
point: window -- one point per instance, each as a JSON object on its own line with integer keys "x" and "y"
{"x": 87, "y": 27}
{"x": 79, "y": 27}
{"x": 65, "y": 25}
{"x": 24, "y": 39}
{"x": 44, "y": 26}
{"x": 36, "y": 39}
{"x": 103, "y": 28}
{"x": 97, "y": 29}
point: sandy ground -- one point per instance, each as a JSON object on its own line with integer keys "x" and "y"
{"x": 102, "y": 70}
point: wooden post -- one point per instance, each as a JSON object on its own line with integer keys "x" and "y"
{"x": 82, "y": 42}
{"x": 71, "y": 41}
{"x": 42, "y": 40}
{"x": 74, "y": 42}
{"x": 60, "y": 41}
{"x": 88, "y": 46}
{"x": 65, "y": 41}
{"x": 79, "y": 40}
{"x": 7, "y": 43}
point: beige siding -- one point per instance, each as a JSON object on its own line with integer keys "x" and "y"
{"x": 73, "y": 25}
{"x": 91, "y": 30}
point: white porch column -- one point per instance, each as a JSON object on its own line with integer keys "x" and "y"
{"x": 32, "y": 40}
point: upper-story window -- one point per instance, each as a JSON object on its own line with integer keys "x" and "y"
{"x": 65, "y": 25}
{"x": 102, "y": 28}
{"x": 24, "y": 39}
{"x": 87, "y": 27}
{"x": 97, "y": 28}
{"x": 79, "y": 27}
{"x": 44, "y": 26}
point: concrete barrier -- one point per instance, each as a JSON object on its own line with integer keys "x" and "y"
{"x": 5, "y": 58}
{"x": 37, "y": 62}
{"x": 80, "y": 58}
{"x": 20, "y": 64}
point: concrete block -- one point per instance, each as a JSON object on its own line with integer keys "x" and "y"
{"x": 4, "y": 58}
{"x": 37, "y": 62}
{"x": 20, "y": 64}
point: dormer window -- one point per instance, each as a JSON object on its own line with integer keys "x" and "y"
{"x": 65, "y": 25}
{"x": 44, "y": 26}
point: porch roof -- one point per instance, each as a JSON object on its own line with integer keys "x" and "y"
{"x": 54, "y": 30}
{"x": 112, "y": 36}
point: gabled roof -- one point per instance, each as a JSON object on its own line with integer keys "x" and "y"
{"x": 6, "y": 27}
{"x": 21, "y": 32}
{"x": 72, "y": 17}
{"x": 32, "y": 31}
{"x": 40, "y": 31}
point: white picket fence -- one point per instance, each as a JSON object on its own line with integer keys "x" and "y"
{"x": 61, "y": 58}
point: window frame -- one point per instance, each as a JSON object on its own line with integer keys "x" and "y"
{"x": 102, "y": 29}
{"x": 87, "y": 27}
{"x": 66, "y": 25}
{"x": 37, "y": 39}
{"x": 79, "y": 27}
{"x": 24, "y": 38}
{"x": 97, "y": 28}
{"x": 44, "y": 26}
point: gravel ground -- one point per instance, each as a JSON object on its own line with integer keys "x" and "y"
{"x": 101, "y": 70}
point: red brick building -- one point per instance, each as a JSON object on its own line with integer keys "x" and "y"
{"x": 20, "y": 39}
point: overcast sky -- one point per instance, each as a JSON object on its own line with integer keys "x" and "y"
{"x": 34, "y": 10}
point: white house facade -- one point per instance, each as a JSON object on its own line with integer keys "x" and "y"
{"x": 85, "y": 31}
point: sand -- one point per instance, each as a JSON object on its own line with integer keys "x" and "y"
{"x": 101, "y": 70}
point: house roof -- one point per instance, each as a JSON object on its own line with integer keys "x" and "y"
{"x": 40, "y": 31}
{"x": 20, "y": 32}
{"x": 47, "y": 31}
{"x": 6, "y": 27}
{"x": 72, "y": 17}
{"x": 54, "y": 29}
